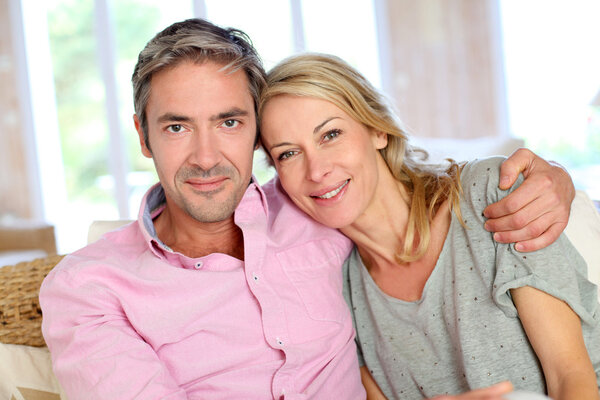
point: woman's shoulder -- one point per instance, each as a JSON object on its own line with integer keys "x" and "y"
{"x": 480, "y": 178}
{"x": 482, "y": 169}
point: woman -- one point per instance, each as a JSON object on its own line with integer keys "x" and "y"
{"x": 435, "y": 299}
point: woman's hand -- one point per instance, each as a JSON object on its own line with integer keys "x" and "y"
{"x": 494, "y": 392}
{"x": 536, "y": 213}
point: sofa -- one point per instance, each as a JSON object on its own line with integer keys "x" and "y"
{"x": 25, "y": 365}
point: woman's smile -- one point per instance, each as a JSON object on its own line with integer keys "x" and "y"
{"x": 327, "y": 194}
{"x": 326, "y": 161}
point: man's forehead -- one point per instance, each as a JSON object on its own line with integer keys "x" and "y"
{"x": 208, "y": 88}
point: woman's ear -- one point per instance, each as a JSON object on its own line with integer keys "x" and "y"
{"x": 380, "y": 139}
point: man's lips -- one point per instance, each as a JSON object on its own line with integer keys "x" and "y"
{"x": 330, "y": 192}
{"x": 206, "y": 185}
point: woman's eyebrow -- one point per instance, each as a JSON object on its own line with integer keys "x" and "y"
{"x": 322, "y": 124}
{"x": 315, "y": 131}
{"x": 279, "y": 145}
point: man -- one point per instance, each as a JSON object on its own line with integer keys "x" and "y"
{"x": 222, "y": 289}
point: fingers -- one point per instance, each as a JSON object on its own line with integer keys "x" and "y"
{"x": 498, "y": 389}
{"x": 540, "y": 212}
{"x": 542, "y": 241}
{"x": 530, "y": 231}
{"x": 520, "y": 161}
{"x": 494, "y": 392}
{"x": 534, "y": 215}
{"x": 529, "y": 235}
{"x": 532, "y": 189}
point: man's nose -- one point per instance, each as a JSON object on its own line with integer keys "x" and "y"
{"x": 206, "y": 152}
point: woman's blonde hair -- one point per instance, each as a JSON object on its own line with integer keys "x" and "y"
{"x": 329, "y": 78}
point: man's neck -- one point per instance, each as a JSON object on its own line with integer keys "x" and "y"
{"x": 194, "y": 239}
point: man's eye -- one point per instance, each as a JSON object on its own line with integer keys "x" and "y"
{"x": 175, "y": 128}
{"x": 286, "y": 155}
{"x": 231, "y": 123}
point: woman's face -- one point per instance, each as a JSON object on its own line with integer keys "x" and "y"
{"x": 326, "y": 160}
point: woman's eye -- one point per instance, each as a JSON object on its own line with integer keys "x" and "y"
{"x": 231, "y": 123}
{"x": 285, "y": 155}
{"x": 331, "y": 135}
{"x": 175, "y": 128}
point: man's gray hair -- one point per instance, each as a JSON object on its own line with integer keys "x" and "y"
{"x": 198, "y": 41}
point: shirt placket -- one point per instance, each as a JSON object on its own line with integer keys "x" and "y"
{"x": 273, "y": 315}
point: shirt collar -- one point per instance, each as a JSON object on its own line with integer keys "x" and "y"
{"x": 154, "y": 202}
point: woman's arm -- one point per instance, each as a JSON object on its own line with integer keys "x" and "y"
{"x": 554, "y": 331}
{"x": 373, "y": 391}
{"x": 494, "y": 392}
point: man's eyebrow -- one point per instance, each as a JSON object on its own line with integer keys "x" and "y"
{"x": 315, "y": 131}
{"x": 170, "y": 117}
{"x": 234, "y": 112}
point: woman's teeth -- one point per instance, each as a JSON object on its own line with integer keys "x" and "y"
{"x": 329, "y": 195}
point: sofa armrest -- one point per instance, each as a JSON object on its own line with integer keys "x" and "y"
{"x": 583, "y": 231}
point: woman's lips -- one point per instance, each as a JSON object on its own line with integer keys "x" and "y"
{"x": 329, "y": 192}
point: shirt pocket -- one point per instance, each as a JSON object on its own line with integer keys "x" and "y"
{"x": 315, "y": 271}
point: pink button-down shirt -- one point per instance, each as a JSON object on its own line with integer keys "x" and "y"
{"x": 125, "y": 317}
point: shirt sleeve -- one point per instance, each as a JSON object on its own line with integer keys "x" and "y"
{"x": 348, "y": 297}
{"x": 558, "y": 269}
{"x": 96, "y": 353}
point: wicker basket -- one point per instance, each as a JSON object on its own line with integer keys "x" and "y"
{"x": 20, "y": 313}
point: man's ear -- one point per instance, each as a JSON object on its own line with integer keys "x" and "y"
{"x": 380, "y": 139}
{"x": 138, "y": 127}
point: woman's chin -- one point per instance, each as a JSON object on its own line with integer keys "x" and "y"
{"x": 332, "y": 221}
{"x": 331, "y": 217}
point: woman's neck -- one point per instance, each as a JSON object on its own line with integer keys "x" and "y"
{"x": 380, "y": 230}
{"x": 379, "y": 233}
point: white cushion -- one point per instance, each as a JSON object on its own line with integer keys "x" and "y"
{"x": 26, "y": 373}
{"x": 466, "y": 149}
{"x": 99, "y": 228}
{"x": 583, "y": 231}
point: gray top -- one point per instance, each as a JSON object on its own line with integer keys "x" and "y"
{"x": 464, "y": 332}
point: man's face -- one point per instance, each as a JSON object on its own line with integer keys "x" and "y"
{"x": 201, "y": 129}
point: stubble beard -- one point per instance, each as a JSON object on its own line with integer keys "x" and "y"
{"x": 211, "y": 207}
{"x": 212, "y": 210}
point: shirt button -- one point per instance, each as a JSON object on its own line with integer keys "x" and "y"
{"x": 199, "y": 265}
{"x": 279, "y": 341}
{"x": 255, "y": 277}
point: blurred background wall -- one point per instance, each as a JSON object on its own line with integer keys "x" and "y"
{"x": 461, "y": 70}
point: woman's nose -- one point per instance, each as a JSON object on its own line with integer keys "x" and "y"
{"x": 318, "y": 166}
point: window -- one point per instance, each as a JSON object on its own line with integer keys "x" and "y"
{"x": 553, "y": 76}
{"x": 93, "y": 48}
